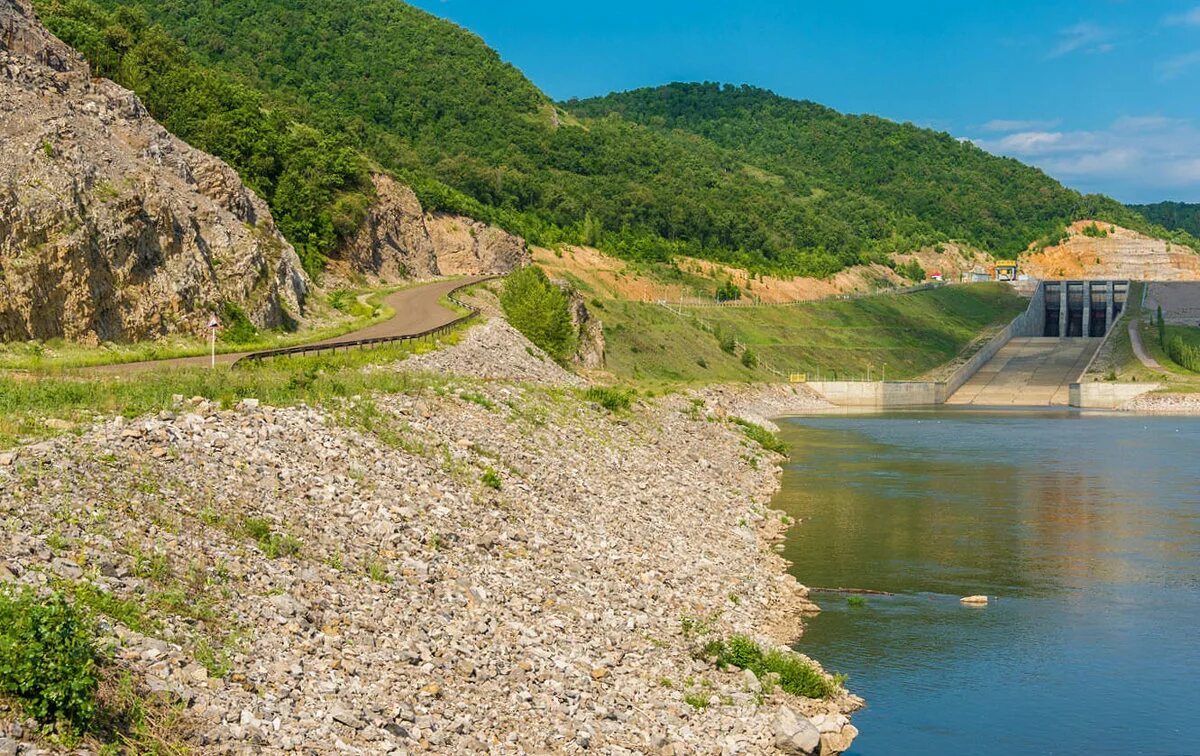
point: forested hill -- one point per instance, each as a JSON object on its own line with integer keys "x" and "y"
{"x": 1177, "y": 216}
{"x": 303, "y": 98}
{"x": 928, "y": 182}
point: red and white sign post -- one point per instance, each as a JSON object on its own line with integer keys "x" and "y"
{"x": 213, "y": 325}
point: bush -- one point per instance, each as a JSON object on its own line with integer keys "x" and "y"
{"x": 236, "y": 327}
{"x": 728, "y": 292}
{"x": 796, "y": 675}
{"x": 760, "y": 435}
{"x": 48, "y": 657}
{"x": 611, "y": 399}
{"x": 540, "y": 310}
{"x": 1094, "y": 231}
{"x": 749, "y": 360}
{"x": 727, "y": 342}
{"x": 491, "y": 479}
{"x": 1184, "y": 354}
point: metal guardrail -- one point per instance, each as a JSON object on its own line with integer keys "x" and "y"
{"x": 363, "y": 343}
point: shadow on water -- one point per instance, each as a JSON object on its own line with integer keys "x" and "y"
{"x": 1086, "y": 529}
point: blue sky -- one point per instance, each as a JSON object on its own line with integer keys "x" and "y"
{"x": 1102, "y": 94}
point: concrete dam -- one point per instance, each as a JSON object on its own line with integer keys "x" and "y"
{"x": 1033, "y": 361}
{"x": 1049, "y": 349}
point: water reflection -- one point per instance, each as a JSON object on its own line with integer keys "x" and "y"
{"x": 1086, "y": 528}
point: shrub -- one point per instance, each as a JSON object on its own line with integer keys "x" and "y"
{"x": 856, "y": 601}
{"x": 540, "y": 310}
{"x": 760, "y": 435}
{"x": 727, "y": 341}
{"x": 797, "y": 675}
{"x": 48, "y": 657}
{"x": 1094, "y": 231}
{"x": 236, "y": 327}
{"x": 1184, "y": 354}
{"x": 491, "y": 479}
{"x": 728, "y": 292}
{"x": 749, "y": 360}
{"x": 611, "y": 399}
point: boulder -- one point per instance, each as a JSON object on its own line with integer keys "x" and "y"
{"x": 794, "y": 734}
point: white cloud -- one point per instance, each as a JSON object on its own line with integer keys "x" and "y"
{"x": 1084, "y": 37}
{"x": 1173, "y": 67}
{"x": 1190, "y": 18}
{"x": 1135, "y": 158}
{"x": 1004, "y": 126}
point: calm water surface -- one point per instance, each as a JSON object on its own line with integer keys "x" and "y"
{"x": 1085, "y": 528}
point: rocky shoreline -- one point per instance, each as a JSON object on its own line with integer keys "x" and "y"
{"x": 1163, "y": 404}
{"x": 470, "y": 565}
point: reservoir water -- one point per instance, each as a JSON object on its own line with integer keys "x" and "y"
{"x": 1084, "y": 528}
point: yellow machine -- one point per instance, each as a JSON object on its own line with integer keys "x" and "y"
{"x": 1005, "y": 270}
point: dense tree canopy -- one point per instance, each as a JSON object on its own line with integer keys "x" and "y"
{"x": 302, "y": 97}
{"x": 1177, "y": 216}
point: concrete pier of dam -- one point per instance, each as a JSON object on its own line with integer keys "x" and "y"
{"x": 1035, "y": 361}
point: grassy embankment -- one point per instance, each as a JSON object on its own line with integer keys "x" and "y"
{"x": 343, "y": 311}
{"x": 36, "y": 405}
{"x": 909, "y": 333}
{"x": 1117, "y": 361}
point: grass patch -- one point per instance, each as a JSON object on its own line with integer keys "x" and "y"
{"x": 697, "y": 701}
{"x": 611, "y": 399}
{"x": 491, "y": 479}
{"x": 761, "y": 436}
{"x": 796, "y": 675}
{"x": 856, "y": 601}
{"x": 272, "y": 544}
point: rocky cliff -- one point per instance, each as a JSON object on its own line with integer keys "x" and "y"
{"x": 111, "y": 229}
{"x": 400, "y": 240}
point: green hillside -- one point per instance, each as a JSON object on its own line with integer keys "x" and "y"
{"x": 910, "y": 334}
{"x": 304, "y": 98}
{"x": 1177, "y": 216}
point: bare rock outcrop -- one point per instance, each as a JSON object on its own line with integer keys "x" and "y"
{"x": 468, "y": 247}
{"x": 112, "y": 229}
{"x": 400, "y": 240}
{"x": 393, "y": 242}
{"x": 590, "y": 353}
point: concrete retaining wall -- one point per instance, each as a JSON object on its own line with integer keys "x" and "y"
{"x": 1102, "y": 395}
{"x": 879, "y": 394}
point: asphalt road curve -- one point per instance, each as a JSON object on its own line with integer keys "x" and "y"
{"x": 416, "y": 309}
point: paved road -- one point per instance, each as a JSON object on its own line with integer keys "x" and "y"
{"x": 417, "y": 309}
{"x": 1139, "y": 349}
{"x": 1029, "y": 372}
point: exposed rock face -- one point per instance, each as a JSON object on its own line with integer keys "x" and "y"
{"x": 393, "y": 242}
{"x": 590, "y": 353}
{"x": 1120, "y": 253}
{"x": 400, "y": 240}
{"x": 111, "y": 229}
{"x": 465, "y": 247}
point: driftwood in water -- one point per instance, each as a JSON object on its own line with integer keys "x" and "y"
{"x": 866, "y": 591}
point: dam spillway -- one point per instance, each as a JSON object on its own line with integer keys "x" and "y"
{"x": 1066, "y": 323}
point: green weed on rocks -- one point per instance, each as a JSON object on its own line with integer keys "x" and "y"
{"x": 611, "y": 399}
{"x": 797, "y": 675}
{"x": 761, "y": 436}
{"x": 48, "y": 657}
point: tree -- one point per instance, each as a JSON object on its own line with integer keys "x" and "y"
{"x": 540, "y": 310}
